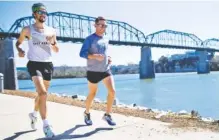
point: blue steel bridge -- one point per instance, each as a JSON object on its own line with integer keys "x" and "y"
{"x": 75, "y": 28}
{"x": 1, "y": 30}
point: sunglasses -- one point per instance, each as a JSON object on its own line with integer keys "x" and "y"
{"x": 42, "y": 12}
{"x": 102, "y": 25}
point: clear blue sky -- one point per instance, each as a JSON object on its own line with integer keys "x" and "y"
{"x": 197, "y": 17}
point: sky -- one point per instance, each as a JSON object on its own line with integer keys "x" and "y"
{"x": 197, "y": 17}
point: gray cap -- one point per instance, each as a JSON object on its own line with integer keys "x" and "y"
{"x": 37, "y": 7}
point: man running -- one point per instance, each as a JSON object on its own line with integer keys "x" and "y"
{"x": 94, "y": 49}
{"x": 41, "y": 42}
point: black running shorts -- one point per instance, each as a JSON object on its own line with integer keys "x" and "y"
{"x": 43, "y": 69}
{"x": 95, "y": 77}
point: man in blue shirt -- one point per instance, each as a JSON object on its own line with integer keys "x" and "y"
{"x": 94, "y": 50}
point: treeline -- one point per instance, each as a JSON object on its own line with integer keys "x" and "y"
{"x": 163, "y": 65}
{"x": 78, "y": 72}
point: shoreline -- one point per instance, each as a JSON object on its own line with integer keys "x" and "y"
{"x": 84, "y": 76}
{"x": 186, "y": 121}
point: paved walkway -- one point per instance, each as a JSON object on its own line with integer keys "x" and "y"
{"x": 67, "y": 122}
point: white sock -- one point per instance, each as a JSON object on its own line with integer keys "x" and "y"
{"x": 35, "y": 113}
{"x": 45, "y": 123}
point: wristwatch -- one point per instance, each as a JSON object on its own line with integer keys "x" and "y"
{"x": 54, "y": 43}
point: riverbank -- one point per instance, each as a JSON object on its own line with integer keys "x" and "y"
{"x": 67, "y": 123}
{"x": 185, "y": 121}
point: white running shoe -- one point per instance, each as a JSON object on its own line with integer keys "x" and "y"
{"x": 33, "y": 120}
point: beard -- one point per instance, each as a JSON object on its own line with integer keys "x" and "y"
{"x": 41, "y": 20}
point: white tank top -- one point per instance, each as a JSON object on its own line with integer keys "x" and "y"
{"x": 39, "y": 47}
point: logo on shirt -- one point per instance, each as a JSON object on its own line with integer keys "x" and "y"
{"x": 102, "y": 45}
{"x": 41, "y": 42}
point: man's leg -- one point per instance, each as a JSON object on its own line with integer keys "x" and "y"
{"x": 39, "y": 86}
{"x": 42, "y": 95}
{"x": 36, "y": 106}
{"x": 110, "y": 85}
{"x": 92, "y": 92}
{"x": 42, "y": 87}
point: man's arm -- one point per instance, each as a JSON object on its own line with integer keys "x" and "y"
{"x": 109, "y": 60}
{"x": 20, "y": 40}
{"x": 84, "y": 49}
{"x": 85, "y": 54}
{"x": 53, "y": 42}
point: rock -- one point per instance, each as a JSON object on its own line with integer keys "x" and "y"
{"x": 64, "y": 95}
{"x": 122, "y": 105}
{"x": 116, "y": 101}
{"x": 160, "y": 115}
{"x": 96, "y": 100}
{"x": 155, "y": 110}
{"x": 142, "y": 108}
{"x": 149, "y": 110}
{"x": 215, "y": 122}
{"x": 183, "y": 112}
{"x": 207, "y": 119}
{"x": 194, "y": 114}
{"x": 74, "y": 96}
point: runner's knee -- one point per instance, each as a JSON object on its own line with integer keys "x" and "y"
{"x": 37, "y": 99}
{"x": 112, "y": 92}
{"x": 42, "y": 94}
{"x": 92, "y": 94}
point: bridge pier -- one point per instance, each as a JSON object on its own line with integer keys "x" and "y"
{"x": 7, "y": 64}
{"x": 203, "y": 66}
{"x": 146, "y": 66}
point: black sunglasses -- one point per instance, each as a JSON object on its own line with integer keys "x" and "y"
{"x": 102, "y": 25}
{"x": 42, "y": 12}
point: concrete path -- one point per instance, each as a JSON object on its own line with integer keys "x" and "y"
{"x": 68, "y": 123}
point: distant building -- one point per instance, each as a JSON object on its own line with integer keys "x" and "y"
{"x": 188, "y": 54}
